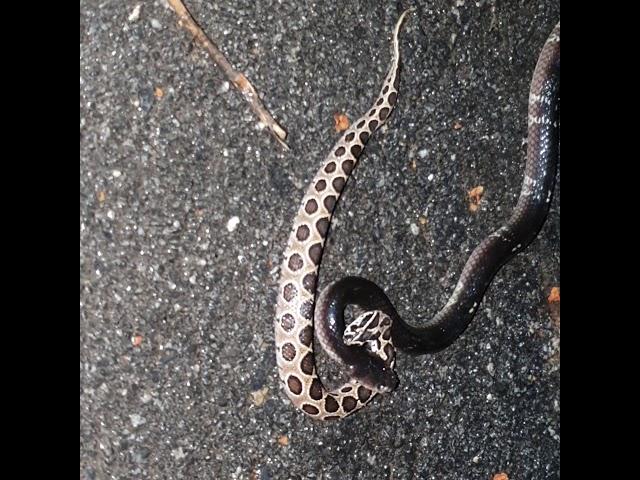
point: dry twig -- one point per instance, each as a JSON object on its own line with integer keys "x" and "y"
{"x": 237, "y": 78}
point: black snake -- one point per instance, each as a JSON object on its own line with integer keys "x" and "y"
{"x": 366, "y": 348}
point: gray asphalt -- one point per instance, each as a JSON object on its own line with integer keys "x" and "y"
{"x": 177, "y": 365}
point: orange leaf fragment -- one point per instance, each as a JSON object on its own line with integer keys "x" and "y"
{"x": 554, "y": 296}
{"x": 475, "y": 195}
{"x": 341, "y": 122}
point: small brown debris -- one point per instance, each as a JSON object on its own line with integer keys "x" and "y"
{"x": 475, "y": 195}
{"x": 101, "y": 196}
{"x": 422, "y": 219}
{"x": 554, "y": 296}
{"x": 283, "y": 440}
{"x": 414, "y": 165}
{"x": 501, "y": 476}
{"x": 341, "y": 122}
{"x": 553, "y": 300}
{"x": 158, "y": 92}
{"x": 259, "y": 396}
{"x": 136, "y": 340}
{"x": 457, "y": 125}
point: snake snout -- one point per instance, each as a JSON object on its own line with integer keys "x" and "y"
{"x": 389, "y": 383}
{"x": 374, "y": 375}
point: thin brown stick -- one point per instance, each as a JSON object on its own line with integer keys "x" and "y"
{"x": 237, "y": 78}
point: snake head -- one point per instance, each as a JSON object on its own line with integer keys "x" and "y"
{"x": 374, "y": 370}
{"x": 374, "y": 374}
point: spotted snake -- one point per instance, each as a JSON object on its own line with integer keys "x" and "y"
{"x": 367, "y": 346}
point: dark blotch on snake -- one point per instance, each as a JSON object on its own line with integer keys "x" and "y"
{"x": 306, "y": 365}
{"x": 311, "y": 206}
{"x": 295, "y": 262}
{"x": 302, "y": 233}
{"x": 383, "y": 113}
{"x": 332, "y": 417}
{"x": 288, "y": 351}
{"x": 347, "y": 166}
{"x": 385, "y": 89}
{"x": 364, "y": 394}
{"x": 364, "y": 136}
{"x": 388, "y": 350}
{"x": 374, "y": 322}
{"x": 306, "y": 336}
{"x": 330, "y": 168}
{"x": 287, "y": 322}
{"x": 348, "y": 403}
{"x": 339, "y": 152}
{"x": 393, "y": 96}
{"x": 338, "y": 184}
{"x": 350, "y": 137}
{"x": 355, "y": 150}
{"x": 373, "y": 124}
{"x": 309, "y": 282}
{"x": 289, "y": 292}
{"x": 330, "y": 202}
{"x": 310, "y": 409}
{"x": 387, "y": 334}
{"x": 361, "y": 124}
{"x": 331, "y": 405}
{"x": 294, "y": 384}
{"x": 322, "y": 226}
{"x": 321, "y": 185}
{"x": 346, "y": 389}
{"x": 372, "y": 112}
{"x": 379, "y": 102}
{"x": 306, "y": 309}
{"x": 315, "y": 252}
{"x": 315, "y": 390}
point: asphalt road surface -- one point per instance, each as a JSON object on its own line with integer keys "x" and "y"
{"x": 185, "y": 208}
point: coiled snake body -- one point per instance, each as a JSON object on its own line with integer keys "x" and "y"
{"x": 366, "y": 348}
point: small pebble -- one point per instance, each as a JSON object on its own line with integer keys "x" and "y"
{"x": 178, "y": 453}
{"x": 137, "y": 420}
{"x": 232, "y": 224}
{"x": 135, "y": 14}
